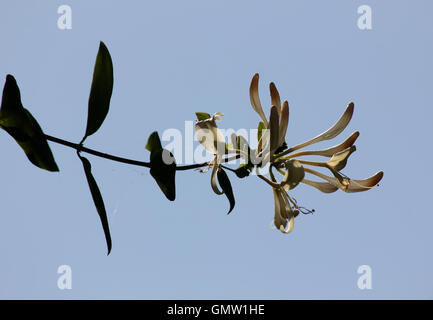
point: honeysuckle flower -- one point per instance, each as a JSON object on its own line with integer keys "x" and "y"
{"x": 284, "y": 218}
{"x": 273, "y": 150}
{"x": 213, "y": 141}
{"x": 209, "y": 136}
{"x": 274, "y": 136}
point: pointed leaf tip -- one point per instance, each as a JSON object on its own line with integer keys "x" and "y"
{"x": 23, "y": 127}
{"x": 226, "y": 186}
{"x": 100, "y": 91}
{"x": 97, "y": 200}
{"x": 153, "y": 142}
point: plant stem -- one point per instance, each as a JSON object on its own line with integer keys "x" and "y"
{"x": 271, "y": 183}
{"x": 80, "y": 147}
{"x": 191, "y": 166}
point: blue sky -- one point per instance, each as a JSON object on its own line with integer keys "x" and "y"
{"x": 174, "y": 58}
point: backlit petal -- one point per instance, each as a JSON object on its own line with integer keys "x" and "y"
{"x": 330, "y": 151}
{"x": 284, "y": 121}
{"x": 255, "y": 99}
{"x": 275, "y": 97}
{"x": 352, "y": 185}
{"x": 332, "y": 132}
{"x": 325, "y": 187}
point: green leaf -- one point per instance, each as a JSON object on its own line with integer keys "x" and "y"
{"x": 153, "y": 142}
{"x": 202, "y": 116}
{"x": 162, "y": 166}
{"x": 100, "y": 91}
{"x": 23, "y": 127}
{"x": 226, "y": 186}
{"x": 260, "y": 128}
{"x": 97, "y": 199}
{"x": 242, "y": 144}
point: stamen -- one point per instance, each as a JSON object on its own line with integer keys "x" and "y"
{"x": 300, "y": 209}
{"x": 293, "y": 201}
{"x": 306, "y": 211}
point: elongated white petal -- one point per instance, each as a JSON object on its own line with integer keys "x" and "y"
{"x": 210, "y": 137}
{"x": 330, "y": 151}
{"x": 341, "y": 182}
{"x": 366, "y": 184}
{"x": 284, "y": 217}
{"x": 284, "y": 122}
{"x": 289, "y": 215}
{"x": 255, "y": 99}
{"x": 352, "y": 185}
{"x": 275, "y": 97}
{"x": 278, "y": 219}
{"x": 325, "y": 187}
{"x": 335, "y": 164}
{"x": 213, "y": 180}
{"x": 332, "y": 132}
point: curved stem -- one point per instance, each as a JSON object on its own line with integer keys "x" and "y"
{"x": 199, "y": 165}
{"x": 80, "y": 147}
{"x": 230, "y": 169}
{"x": 191, "y": 166}
{"x": 271, "y": 183}
{"x": 271, "y": 174}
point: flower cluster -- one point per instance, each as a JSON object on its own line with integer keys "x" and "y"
{"x": 273, "y": 153}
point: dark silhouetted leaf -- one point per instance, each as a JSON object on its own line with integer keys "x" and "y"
{"x": 97, "y": 199}
{"x": 243, "y": 170}
{"x": 281, "y": 148}
{"x": 202, "y": 115}
{"x": 100, "y": 91}
{"x": 23, "y": 127}
{"x": 153, "y": 142}
{"x": 162, "y": 166}
{"x": 226, "y": 186}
